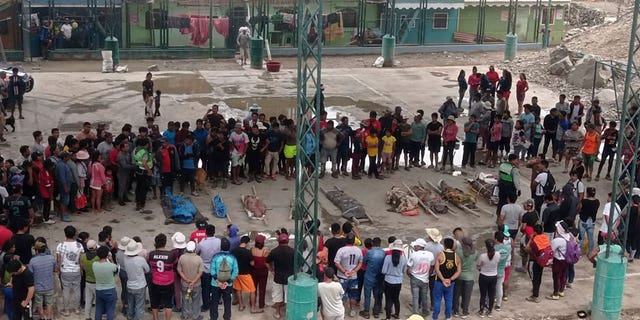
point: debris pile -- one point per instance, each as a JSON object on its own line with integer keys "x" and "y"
{"x": 581, "y": 16}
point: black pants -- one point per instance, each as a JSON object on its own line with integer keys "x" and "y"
{"x": 447, "y": 153}
{"x": 392, "y": 298}
{"x": 535, "y": 273}
{"x": 360, "y": 283}
{"x": 373, "y": 168}
{"x": 253, "y": 159}
{"x": 487, "y": 291}
{"x": 415, "y": 151}
{"x": 538, "y": 201}
{"x": 549, "y": 138}
{"x": 206, "y": 290}
{"x": 216, "y": 294}
{"x": 20, "y": 313}
{"x": 142, "y": 187}
{"x": 46, "y": 208}
{"x": 607, "y": 154}
{"x": 505, "y": 189}
{"x": 188, "y": 176}
{"x": 469, "y": 154}
{"x": 166, "y": 182}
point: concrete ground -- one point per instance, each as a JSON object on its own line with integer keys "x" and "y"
{"x": 66, "y": 99}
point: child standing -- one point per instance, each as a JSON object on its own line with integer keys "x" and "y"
{"x": 372, "y": 142}
{"x": 156, "y": 99}
{"x": 536, "y": 138}
{"x": 108, "y": 189}
{"x": 388, "y": 146}
{"x": 494, "y": 142}
{"x": 519, "y": 141}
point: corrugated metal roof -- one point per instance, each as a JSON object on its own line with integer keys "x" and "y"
{"x": 436, "y": 4}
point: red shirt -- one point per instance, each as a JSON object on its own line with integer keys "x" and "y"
{"x": 45, "y": 182}
{"x": 521, "y": 85}
{"x": 113, "y": 156}
{"x": 493, "y": 77}
{"x": 5, "y": 235}
{"x": 198, "y": 236}
{"x": 474, "y": 81}
{"x": 166, "y": 160}
{"x": 162, "y": 263}
{"x": 374, "y": 123}
{"x": 364, "y": 265}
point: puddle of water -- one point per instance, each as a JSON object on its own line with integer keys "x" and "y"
{"x": 283, "y": 105}
{"x": 85, "y": 108}
{"x": 175, "y": 83}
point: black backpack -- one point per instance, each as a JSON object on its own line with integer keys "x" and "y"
{"x": 550, "y": 186}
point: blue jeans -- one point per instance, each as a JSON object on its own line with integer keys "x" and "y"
{"x": 106, "y": 303}
{"x": 439, "y": 291}
{"x": 216, "y": 294}
{"x": 191, "y": 303}
{"x": 8, "y": 302}
{"x": 586, "y": 227}
{"x": 206, "y": 290}
{"x": 135, "y": 305}
{"x": 419, "y": 292}
{"x": 376, "y": 287}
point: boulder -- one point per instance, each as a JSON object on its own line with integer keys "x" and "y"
{"x": 153, "y": 67}
{"x": 584, "y": 73}
{"x": 559, "y": 54}
{"x": 562, "y": 67}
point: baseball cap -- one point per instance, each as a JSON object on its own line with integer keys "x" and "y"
{"x": 92, "y": 244}
{"x": 201, "y": 224}
{"x": 283, "y": 238}
{"x": 191, "y": 246}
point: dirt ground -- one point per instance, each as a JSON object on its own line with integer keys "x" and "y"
{"x": 69, "y": 93}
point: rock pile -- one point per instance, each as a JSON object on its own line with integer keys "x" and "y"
{"x": 580, "y": 16}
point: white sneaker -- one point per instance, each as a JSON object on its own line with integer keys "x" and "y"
{"x": 50, "y": 221}
{"x": 352, "y": 313}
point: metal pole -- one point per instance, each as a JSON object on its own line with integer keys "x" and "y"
{"x": 547, "y": 34}
{"x": 210, "y": 29}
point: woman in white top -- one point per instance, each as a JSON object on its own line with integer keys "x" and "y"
{"x": 560, "y": 266}
{"x": 488, "y": 266}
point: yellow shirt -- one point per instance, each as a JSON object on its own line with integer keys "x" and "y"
{"x": 372, "y": 145}
{"x": 388, "y": 144}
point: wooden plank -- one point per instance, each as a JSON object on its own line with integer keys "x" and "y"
{"x": 420, "y": 201}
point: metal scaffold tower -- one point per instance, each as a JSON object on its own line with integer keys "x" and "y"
{"x": 302, "y": 296}
{"x": 611, "y": 261}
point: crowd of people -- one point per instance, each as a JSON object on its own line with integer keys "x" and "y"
{"x": 95, "y": 169}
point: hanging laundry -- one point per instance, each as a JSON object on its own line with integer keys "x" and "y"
{"x": 222, "y": 26}
{"x": 180, "y": 22}
{"x": 199, "y": 29}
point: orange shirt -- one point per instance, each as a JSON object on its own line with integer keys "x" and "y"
{"x": 590, "y": 143}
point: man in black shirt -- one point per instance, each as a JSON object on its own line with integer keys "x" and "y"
{"x": 244, "y": 281}
{"x": 334, "y": 244}
{"x": 280, "y": 262}
{"x": 23, "y": 289}
{"x": 550, "y": 125}
{"x": 17, "y": 206}
{"x": 24, "y": 242}
{"x": 434, "y": 139}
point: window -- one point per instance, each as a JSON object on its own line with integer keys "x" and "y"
{"x": 440, "y": 20}
{"x": 552, "y": 18}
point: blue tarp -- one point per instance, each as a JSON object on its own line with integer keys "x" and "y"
{"x": 219, "y": 209}
{"x": 182, "y": 209}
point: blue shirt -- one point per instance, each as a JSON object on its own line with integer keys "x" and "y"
{"x": 373, "y": 260}
{"x": 346, "y": 133}
{"x": 275, "y": 141}
{"x": 309, "y": 144}
{"x": 189, "y": 162}
{"x": 470, "y": 136}
{"x": 64, "y": 175}
{"x": 215, "y": 266}
{"x": 528, "y": 120}
{"x": 42, "y": 267}
{"x": 170, "y": 136}
{"x": 201, "y": 136}
{"x": 394, "y": 274}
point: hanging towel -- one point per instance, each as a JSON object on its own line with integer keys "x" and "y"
{"x": 199, "y": 29}
{"x": 222, "y": 26}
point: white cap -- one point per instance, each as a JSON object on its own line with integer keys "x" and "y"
{"x": 191, "y": 246}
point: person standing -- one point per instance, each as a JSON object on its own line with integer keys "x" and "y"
{"x": 260, "y": 271}
{"x": 125, "y": 171}
{"x": 161, "y": 263}
{"x": 449, "y": 138}
{"x": 462, "y": 88}
{"x": 610, "y": 138}
{"x": 17, "y": 88}
{"x": 23, "y": 288}
{"x": 393, "y": 269}
{"x": 168, "y": 161}
{"x": 488, "y": 268}
{"x": 106, "y": 294}
{"x": 280, "y": 263}
{"x": 43, "y": 266}
{"x": 522, "y": 86}
{"x": 419, "y": 269}
{"x": 189, "y": 153}
{"x": 373, "y": 279}
{"x": 464, "y": 284}
{"x": 144, "y": 164}
{"x": 502, "y": 245}
{"x": 190, "y": 269}
{"x": 244, "y": 281}
{"x": 537, "y": 244}
{"x": 576, "y": 110}
{"x": 590, "y": 149}
{"x": 560, "y": 265}
{"x": 330, "y": 293}
{"x": 224, "y": 271}
{"x": 348, "y": 261}
{"x": 136, "y": 267}
{"x": 448, "y": 268}
{"x": 147, "y": 94}
{"x": 239, "y": 141}
{"x": 372, "y": 142}
{"x": 206, "y": 249}
{"x": 243, "y": 41}
{"x": 471, "y": 131}
{"x": 434, "y": 139}
{"x": 330, "y": 138}
{"x": 418, "y": 135}
{"x": 474, "y": 84}
{"x": 588, "y": 213}
{"x": 68, "y": 259}
{"x": 86, "y": 263}
{"x": 508, "y": 181}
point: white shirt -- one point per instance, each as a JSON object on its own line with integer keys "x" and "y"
{"x": 604, "y": 227}
{"x": 331, "y": 296}
{"x": 420, "y": 263}
{"x": 66, "y": 30}
{"x": 69, "y": 252}
{"x": 559, "y": 247}
{"x": 578, "y": 187}
{"x": 541, "y": 179}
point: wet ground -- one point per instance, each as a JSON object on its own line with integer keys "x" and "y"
{"x": 69, "y": 99}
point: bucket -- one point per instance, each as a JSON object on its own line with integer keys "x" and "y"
{"x": 273, "y": 66}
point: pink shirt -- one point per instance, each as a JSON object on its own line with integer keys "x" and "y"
{"x": 98, "y": 178}
{"x": 496, "y": 132}
{"x": 449, "y": 133}
{"x": 239, "y": 142}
